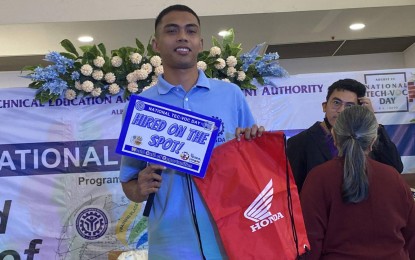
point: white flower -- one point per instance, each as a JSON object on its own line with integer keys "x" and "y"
{"x": 231, "y": 71}
{"x": 97, "y": 74}
{"x": 155, "y": 61}
{"x": 132, "y": 77}
{"x": 201, "y": 65}
{"x": 99, "y": 61}
{"x": 70, "y": 94}
{"x": 87, "y": 86}
{"x": 135, "y": 58}
{"x": 146, "y": 87}
{"x": 116, "y": 61}
{"x": 159, "y": 70}
{"x": 132, "y": 87}
{"x": 110, "y": 77}
{"x": 86, "y": 70}
{"x": 215, "y": 51}
{"x": 226, "y": 80}
{"x": 141, "y": 74}
{"x": 96, "y": 92}
{"x": 114, "y": 88}
{"x": 147, "y": 67}
{"x": 154, "y": 82}
{"x": 241, "y": 75}
{"x": 231, "y": 61}
{"x": 220, "y": 64}
{"x": 78, "y": 85}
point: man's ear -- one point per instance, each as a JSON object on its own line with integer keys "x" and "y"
{"x": 201, "y": 45}
{"x": 324, "y": 106}
{"x": 154, "y": 44}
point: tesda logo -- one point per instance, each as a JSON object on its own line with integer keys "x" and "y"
{"x": 259, "y": 212}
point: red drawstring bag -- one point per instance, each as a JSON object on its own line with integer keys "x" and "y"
{"x": 245, "y": 189}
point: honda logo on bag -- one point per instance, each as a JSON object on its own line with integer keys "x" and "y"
{"x": 259, "y": 212}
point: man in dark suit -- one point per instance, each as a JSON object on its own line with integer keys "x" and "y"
{"x": 315, "y": 145}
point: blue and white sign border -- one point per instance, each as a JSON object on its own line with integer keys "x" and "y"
{"x": 192, "y": 160}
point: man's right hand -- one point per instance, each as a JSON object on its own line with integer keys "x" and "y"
{"x": 148, "y": 181}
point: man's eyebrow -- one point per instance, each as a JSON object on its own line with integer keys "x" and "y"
{"x": 176, "y": 25}
{"x": 171, "y": 25}
{"x": 348, "y": 102}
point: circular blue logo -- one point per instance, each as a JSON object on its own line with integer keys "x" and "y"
{"x": 139, "y": 105}
{"x": 91, "y": 223}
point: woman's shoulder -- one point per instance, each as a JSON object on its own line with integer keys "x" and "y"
{"x": 385, "y": 175}
{"x": 379, "y": 168}
{"x": 327, "y": 173}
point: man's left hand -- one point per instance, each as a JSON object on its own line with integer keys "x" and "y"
{"x": 365, "y": 101}
{"x": 249, "y": 132}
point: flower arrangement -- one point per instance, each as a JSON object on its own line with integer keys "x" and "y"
{"x": 130, "y": 70}
{"x": 94, "y": 73}
{"x": 224, "y": 61}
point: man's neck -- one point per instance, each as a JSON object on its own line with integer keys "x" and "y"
{"x": 187, "y": 78}
{"x": 325, "y": 128}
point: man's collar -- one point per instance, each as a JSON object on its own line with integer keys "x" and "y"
{"x": 164, "y": 87}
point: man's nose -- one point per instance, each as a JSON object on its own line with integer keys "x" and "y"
{"x": 182, "y": 36}
{"x": 342, "y": 107}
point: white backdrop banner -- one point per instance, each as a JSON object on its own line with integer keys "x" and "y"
{"x": 60, "y": 196}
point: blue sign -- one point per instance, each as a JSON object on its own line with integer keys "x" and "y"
{"x": 162, "y": 134}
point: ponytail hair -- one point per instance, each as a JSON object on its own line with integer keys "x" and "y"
{"x": 354, "y": 131}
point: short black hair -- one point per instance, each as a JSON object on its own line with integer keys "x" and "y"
{"x": 349, "y": 85}
{"x": 181, "y": 8}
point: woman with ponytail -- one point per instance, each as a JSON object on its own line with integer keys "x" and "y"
{"x": 355, "y": 207}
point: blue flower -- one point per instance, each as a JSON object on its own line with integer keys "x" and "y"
{"x": 56, "y": 86}
{"x": 75, "y": 75}
{"x": 44, "y": 74}
{"x": 59, "y": 60}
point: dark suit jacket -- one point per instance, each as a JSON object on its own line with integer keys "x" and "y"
{"x": 309, "y": 149}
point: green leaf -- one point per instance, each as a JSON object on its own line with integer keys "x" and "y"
{"x": 202, "y": 56}
{"x": 260, "y": 80}
{"x": 94, "y": 50}
{"x": 216, "y": 43}
{"x": 107, "y": 65}
{"x": 68, "y": 46}
{"x": 36, "y": 84}
{"x": 28, "y": 68}
{"x": 126, "y": 94}
{"x": 248, "y": 85}
{"x": 103, "y": 50}
{"x": 140, "y": 46}
{"x": 228, "y": 52}
{"x": 235, "y": 50}
{"x": 86, "y": 48}
{"x": 208, "y": 72}
{"x": 88, "y": 56}
{"x": 68, "y": 55}
{"x": 229, "y": 38}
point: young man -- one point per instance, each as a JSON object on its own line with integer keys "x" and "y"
{"x": 315, "y": 145}
{"x": 179, "y": 224}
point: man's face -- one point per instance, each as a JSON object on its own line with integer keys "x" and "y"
{"x": 178, "y": 40}
{"x": 338, "y": 101}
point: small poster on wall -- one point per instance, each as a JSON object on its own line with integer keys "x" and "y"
{"x": 387, "y": 91}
